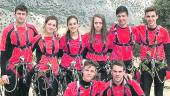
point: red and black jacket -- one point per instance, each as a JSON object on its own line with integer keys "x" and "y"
{"x": 155, "y": 42}
{"x": 123, "y": 40}
{"x": 94, "y": 88}
{"x": 16, "y": 42}
{"x": 126, "y": 88}
{"x": 47, "y": 50}
{"x": 72, "y": 51}
{"x": 97, "y": 50}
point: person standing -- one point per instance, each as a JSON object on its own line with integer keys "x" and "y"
{"x": 98, "y": 45}
{"x": 47, "y": 67}
{"x": 72, "y": 45}
{"x": 16, "y": 53}
{"x": 154, "y": 49}
{"x": 123, "y": 37}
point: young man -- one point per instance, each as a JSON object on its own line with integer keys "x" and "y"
{"x": 119, "y": 85}
{"x": 16, "y": 48}
{"x": 154, "y": 49}
{"x": 123, "y": 38}
{"x": 86, "y": 86}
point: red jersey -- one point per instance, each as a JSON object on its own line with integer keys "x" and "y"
{"x": 97, "y": 50}
{"x": 126, "y": 88}
{"x": 74, "y": 88}
{"x": 152, "y": 42}
{"x": 46, "y": 53}
{"x": 17, "y": 42}
{"x": 73, "y": 49}
{"x": 122, "y": 42}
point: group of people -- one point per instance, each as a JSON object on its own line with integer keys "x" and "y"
{"x": 108, "y": 54}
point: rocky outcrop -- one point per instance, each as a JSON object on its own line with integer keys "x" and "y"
{"x": 83, "y": 9}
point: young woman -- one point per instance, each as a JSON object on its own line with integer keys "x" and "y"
{"x": 72, "y": 44}
{"x": 46, "y": 52}
{"x": 98, "y": 43}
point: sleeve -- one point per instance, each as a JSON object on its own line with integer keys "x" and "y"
{"x": 136, "y": 89}
{"x": 166, "y": 49}
{"x": 68, "y": 91}
{"x": 62, "y": 42}
{"x": 112, "y": 28}
{"x": 61, "y": 46}
{"x": 33, "y": 28}
{"x": 35, "y": 41}
{"x": 102, "y": 87}
{"x": 84, "y": 53}
{"x": 6, "y": 50}
{"x": 86, "y": 38}
{"x": 38, "y": 53}
{"x": 110, "y": 40}
{"x": 35, "y": 31}
{"x": 105, "y": 89}
{"x": 167, "y": 54}
{"x": 136, "y": 35}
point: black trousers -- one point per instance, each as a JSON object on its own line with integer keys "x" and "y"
{"x": 47, "y": 87}
{"x": 21, "y": 88}
{"x": 146, "y": 82}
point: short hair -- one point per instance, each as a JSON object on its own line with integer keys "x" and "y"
{"x": 121, "y": 9}
{"x": 151, "y": 8}
{"x": 118, "y": 63}
{"x": 51, "y": 18}
{"x": 90, "y": 63}
{"x": 21, "y": 7}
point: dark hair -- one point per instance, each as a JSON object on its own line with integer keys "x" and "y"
{"x": 68, "y": 31}
{"x": 121, "y": 9}
{"x": 118, "y": 63}
{"x": 21, "y": 7}
{"x": 91, "y": 63}
{"x": 103, "y": 30}
{"x": 151, "y": 8}
{"x": 51, "y": 18}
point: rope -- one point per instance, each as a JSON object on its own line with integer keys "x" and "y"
{"x": 16, "y": 82}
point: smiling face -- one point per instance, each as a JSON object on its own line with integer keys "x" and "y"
{"x": 50, "y": 27}
{"x": 73, "y": 25}
{"x": 122, "y": 19}
{"x": 89, "y": 73}
{"x": 20, "y": 17}
{"x": 98, "y": 24}
{"x": 151, "y": 18}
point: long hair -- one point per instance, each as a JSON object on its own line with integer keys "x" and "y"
{"x": 103, "y": 30}
{"x": 68, "y": 31}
